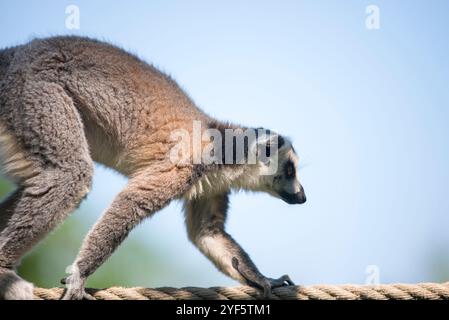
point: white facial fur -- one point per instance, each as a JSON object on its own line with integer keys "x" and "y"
{"x": 278, "y": 182}
{"x": 252, "y": 177}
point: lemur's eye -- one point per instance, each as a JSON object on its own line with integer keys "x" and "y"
{"x": 289, "y": 170}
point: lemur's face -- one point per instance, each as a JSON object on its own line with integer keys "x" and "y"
{"x": 284, "y": 183}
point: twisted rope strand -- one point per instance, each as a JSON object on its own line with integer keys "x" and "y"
{"x": 427, "y": 291}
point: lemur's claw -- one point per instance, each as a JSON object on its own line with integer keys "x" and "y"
{"x": 281, "y": 282}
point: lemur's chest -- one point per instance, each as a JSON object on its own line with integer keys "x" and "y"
{"x": 221, "y": 181}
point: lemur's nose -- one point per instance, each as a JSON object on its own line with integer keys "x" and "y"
{"x": 294, "y": 198}
{"x": 300, "y": 197}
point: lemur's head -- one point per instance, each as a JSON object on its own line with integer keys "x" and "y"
{"x": 278, "y": 174}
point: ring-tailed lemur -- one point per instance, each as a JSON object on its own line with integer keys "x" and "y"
{"x": 68, "y": 101}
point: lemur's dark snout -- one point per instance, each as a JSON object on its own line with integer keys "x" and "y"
{"x": 298, "y": 198}
{"x": 294, "y": 198}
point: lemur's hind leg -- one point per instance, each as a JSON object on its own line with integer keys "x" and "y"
{"x": 205, "y": 219}
{"x": 56, "y": 175}
{"x": 145, "y": 194}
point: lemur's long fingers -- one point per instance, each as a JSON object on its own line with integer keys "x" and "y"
{"x": 282, "y": 281}
{"x": 88, "y": 296}
{"x": 288, "y": 280}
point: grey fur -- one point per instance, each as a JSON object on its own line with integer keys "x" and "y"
{"x": 66, "y": 102}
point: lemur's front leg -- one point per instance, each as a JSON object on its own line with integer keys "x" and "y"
{"x": 205, "y": 219}
{"x": 144, "y": 195}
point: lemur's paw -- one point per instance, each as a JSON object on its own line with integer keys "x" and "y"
{"x": 75, "y": 288}
{"x": 276, "y": 283}
{"x": 77, "y": 294}
{"x": 254, "y": 279}
{"x": 13, "y": 287}
{"x": 268, "y": 284}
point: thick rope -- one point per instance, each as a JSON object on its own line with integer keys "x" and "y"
{"x": 427, "y": 291}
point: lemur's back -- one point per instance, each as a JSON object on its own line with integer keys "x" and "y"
{"x": 119, "y": 97}
{"x": 5, "y": 60}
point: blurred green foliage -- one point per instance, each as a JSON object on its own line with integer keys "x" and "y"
{"x": 5, "y": 187}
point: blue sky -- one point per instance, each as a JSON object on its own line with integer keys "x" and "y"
{"x": 367, "y": 111}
